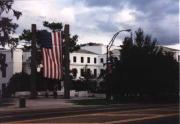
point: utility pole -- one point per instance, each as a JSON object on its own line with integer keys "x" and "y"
{"x": 66, "y": 63}
{"x": 33, "y": 62}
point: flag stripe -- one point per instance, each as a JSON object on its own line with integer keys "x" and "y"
{"x": 56, "y": 51}
{"x": 55, "y": 59}
{"x": 60, "y": 54}
{"x": 44, "y": 62}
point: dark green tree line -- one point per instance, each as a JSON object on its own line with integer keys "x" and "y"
{"x": 144, "y": 69}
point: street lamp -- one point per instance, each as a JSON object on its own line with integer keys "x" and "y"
{"x": 108, "y": 94}
{"x": 111, "y": 43}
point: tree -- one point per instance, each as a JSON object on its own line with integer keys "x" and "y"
{"x": 144, "y": 69}
{"x": 7, "y": 27}
{"x": 53, "y": 26}
{"x": 19, "y": 82}
{"x": 27, "y": 35}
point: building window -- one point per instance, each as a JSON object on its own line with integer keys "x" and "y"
{"x": 4, "y": 72}
{"x": 102, "y": 60}
{"x": 82, "y": 72}
{"x": 102, "y": 71}
{"x": 74, "y": 58}
{"x": 74, "y": 72}
{"x": 82, "y": 59}
{"x": 95, "y": 60}
{"x": 88, "y": 71}
{"x": 178, "y": 58}
{"x": 88, "y": 59}
{"x": 95, "y": 72}
{"x": 3, "y": 64}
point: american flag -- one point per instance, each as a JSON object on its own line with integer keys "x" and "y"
{"x": 52, "y": 54}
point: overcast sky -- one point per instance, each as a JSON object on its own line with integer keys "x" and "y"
{"x": 98, "y": 20}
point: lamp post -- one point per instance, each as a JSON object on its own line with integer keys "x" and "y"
{"x": 107, "y": 57}
{"x": 111, "y": 43}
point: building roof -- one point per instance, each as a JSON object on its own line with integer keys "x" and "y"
{"x": 91, "y": 44}
{"x": 169, "y": 49}
{"x": 84, "y": 51}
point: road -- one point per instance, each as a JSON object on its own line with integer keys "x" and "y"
{"x": 123, "y": 114}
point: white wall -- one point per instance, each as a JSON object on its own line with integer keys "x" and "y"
{"x": 14, "y": 64}
{"x": 26, "y": 62}
{"x": 99, "y": 49}
{"x": 17, "y": 61}
{"x": 9, "y": 69}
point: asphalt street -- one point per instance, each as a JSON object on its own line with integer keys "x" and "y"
{"x": 129, "y": 114}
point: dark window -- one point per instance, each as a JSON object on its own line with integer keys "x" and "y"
{"x": 95, "y": 72}
{"x": 82, "y": 72}
{"x": 74, "y": 58}
{"x": 4, "y": 73}
{"x": 102, "y": 60}
{"x": 88, "y": 59}
{"x": 82, "y": 59}
{"x": 88, "y": 71}
{"x": 178, "y": 58}
{"x": 95, "y": 60}
{"x": 102, "y": 71}
{"x": 74, "y": 72}
{"x": 3, "y": 64}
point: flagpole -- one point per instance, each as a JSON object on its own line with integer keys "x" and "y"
{"x": 66, "y": 63}
{"x": 33, "y": 63}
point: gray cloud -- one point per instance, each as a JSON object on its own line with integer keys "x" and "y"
{"x": 155, "y": 17}
{"x": 101, "y": 3}
{"x": 159, "y": 18}
{"x": 107, "y": 26}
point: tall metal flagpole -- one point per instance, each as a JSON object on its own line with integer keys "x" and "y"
{"x": 33, "y": 63}
{"x": 66, "y": 63}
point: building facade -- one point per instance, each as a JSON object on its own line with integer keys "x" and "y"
{"x": 83, "y": 59}
{"x": 13, "y": 64}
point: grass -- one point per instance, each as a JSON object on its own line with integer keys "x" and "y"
{"x": 124, "y": 100}
{"x": 93, "y": 102}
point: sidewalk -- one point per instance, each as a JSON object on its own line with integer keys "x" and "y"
{"x": 12, "y": 105}
{"x": 35, "y": 104}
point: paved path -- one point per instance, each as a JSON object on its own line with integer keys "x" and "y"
{"x": 34, "y": 104}
{"x": 149, "y": 115}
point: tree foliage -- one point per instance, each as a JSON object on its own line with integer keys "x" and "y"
{"x": 19, "y": 82}
{"x": 7, "y": 27}
{"x": 54, "y": 26}
{"x": 144, "y": 69}
{"x": 26, "y": 35}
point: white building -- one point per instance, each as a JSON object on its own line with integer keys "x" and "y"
{"x": 176, "y": 52}
{"x": 93, "y": 57}
{"x": 83, "y": 58}
{"x": 14, "y": 65}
